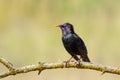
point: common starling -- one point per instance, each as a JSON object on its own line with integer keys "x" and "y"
{"x": 73, "y": 43}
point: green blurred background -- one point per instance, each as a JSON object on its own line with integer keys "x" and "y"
{"x": 28, "y": 35}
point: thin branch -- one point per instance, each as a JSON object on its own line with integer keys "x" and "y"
{"x": 43, "y": 66}
{"x": 6, "y": 63}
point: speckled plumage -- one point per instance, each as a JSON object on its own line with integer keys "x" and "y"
{"x": 73, "y": 43}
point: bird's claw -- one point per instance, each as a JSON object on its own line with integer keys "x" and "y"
{"x": 66, "y": 63}
{"x": 77, "y": 63}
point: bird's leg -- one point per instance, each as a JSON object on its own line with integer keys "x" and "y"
{"x": 78, "y": 61}
{"x": 66, "y": 62}
{"x": 69, "y": 59}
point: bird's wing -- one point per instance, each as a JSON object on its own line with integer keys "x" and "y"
{"x": 80, "y": 45}
{"x": 82, "y": 49}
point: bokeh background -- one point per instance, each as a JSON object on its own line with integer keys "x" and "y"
{"x": 28, "y": 35}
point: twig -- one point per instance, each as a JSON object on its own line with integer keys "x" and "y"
{"x": 6, "y": 64}
{"x": 43, "y": 66}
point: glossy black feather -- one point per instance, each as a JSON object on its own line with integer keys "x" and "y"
{"x": 73, "y": 43}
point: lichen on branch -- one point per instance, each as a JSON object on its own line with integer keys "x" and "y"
{"x": 41, "y": 66}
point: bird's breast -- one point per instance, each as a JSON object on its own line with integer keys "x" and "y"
{"x": 69, "y": 43}
{"x": 68, "y": 39}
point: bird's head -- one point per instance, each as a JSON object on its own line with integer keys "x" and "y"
{"x": 66, "y": 28}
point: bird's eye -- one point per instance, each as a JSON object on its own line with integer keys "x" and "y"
{"x": 62, "y": 26}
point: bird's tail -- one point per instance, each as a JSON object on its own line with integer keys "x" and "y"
{"x": 85, "y": 58}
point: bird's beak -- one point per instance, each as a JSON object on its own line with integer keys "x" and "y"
{"x": 58, "y": 25}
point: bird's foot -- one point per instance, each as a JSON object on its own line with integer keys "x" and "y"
{"x": 66, "y": 63}
{"x": 77, "y": 63}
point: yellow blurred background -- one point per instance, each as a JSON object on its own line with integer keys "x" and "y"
{"x": 28, "y": 35}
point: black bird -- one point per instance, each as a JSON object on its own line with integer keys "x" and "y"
{"x": 73, "y": 43}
